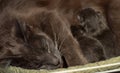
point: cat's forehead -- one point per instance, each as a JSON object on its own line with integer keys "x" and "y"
{"x": 33, "y": 16}
{"x": 30, "y": 12}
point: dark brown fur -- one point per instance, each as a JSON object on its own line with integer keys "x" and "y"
{"x": 93, "y": 27}
{"x": 109, "y": 11}
{"x": 109, "y": 37}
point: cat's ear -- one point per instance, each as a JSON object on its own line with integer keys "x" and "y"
{"x": 22, "y": 30}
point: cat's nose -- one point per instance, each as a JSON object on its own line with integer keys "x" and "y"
{"x": 51, "y": 62}
{"x": 53, "y": 65}
{"x": 54, "y": 60}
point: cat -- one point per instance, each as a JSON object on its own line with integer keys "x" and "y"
{"x": 37, "y": 36}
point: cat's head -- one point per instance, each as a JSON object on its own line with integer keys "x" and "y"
{"x": 28, "y": 47}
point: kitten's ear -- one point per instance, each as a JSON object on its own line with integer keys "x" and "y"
{"x": 22, "y": 30}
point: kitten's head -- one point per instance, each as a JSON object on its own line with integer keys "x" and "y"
{"x": 91, "y": 21}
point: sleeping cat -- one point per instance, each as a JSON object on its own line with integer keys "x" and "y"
{"x": 94, "y": 35}
{"x": 35, "y": 37}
